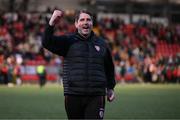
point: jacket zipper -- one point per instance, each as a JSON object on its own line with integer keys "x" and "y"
{"x": 87, "y": 69}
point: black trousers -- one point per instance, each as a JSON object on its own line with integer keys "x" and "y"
{"x": 85, "y": 107}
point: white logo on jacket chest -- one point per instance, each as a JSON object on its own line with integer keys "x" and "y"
{"x": 97, "y": 48}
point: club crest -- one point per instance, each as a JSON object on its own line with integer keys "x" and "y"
{"x": 97, "y": 48}
{"x": 101, "y": 113}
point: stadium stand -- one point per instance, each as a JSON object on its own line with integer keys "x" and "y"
{"x": 143, "y": 51}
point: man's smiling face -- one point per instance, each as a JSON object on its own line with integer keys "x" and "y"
{"x": 84, "y": 24}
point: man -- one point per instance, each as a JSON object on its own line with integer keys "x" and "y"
{"x": 41, "y": 72}
{"x": 88, "y": 70}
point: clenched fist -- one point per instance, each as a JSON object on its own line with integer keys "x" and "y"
{"x": 110, "y": 95}
{"x": 56, "y": 16}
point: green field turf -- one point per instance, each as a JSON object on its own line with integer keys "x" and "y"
{"x": 132, "y": 102}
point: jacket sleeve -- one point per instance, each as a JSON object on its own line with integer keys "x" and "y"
{"x": 55, "y": 44}
{"x": 109, "y": 70}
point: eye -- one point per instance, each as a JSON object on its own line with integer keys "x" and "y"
{"x": 82, "y": 19}
{"x": 88, "y": 19}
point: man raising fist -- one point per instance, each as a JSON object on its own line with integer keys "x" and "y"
{"x": 88, "y": 69}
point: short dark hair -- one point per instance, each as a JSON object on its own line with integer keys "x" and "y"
{"x": 77, "y": 14}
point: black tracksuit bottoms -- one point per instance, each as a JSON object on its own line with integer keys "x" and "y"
{"x": 84, "y": 107}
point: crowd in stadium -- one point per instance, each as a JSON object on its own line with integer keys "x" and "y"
{"x": 142, "y": 51}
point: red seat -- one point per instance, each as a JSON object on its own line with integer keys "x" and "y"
{"x": 27, "y": 77}
{"x": 51, "y": 77}
{"x": 129, "y": 77}
{"x": 118, "y": 77}
{"x": 167, "y": 49}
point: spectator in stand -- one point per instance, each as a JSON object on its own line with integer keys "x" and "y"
{"x": 4, "y": 73}
{"x": 1, "y": 65}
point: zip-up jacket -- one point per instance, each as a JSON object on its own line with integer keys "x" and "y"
{"x": 88, "y": 68}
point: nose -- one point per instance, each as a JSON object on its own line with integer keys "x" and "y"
{"x": 85, "y": 21}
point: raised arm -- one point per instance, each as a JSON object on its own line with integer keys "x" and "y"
{"x": 55, "y": 44}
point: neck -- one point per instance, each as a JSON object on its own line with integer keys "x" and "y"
{"x": 85, "y": 36}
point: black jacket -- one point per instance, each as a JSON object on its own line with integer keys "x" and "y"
{"x": 88, "y": 67}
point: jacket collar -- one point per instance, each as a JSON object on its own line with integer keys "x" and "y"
{"x": 80, "y": 37}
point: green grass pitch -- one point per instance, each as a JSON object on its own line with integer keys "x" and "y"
{"x": 138, "y": 101}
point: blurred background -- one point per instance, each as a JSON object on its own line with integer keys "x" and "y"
{"x": 144, "y": 36}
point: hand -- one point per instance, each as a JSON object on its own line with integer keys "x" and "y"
{"x": 110, "y": 95}
{"x": 56, "y": 16}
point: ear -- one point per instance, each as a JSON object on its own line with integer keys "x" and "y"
{"x": 76, "y": 24}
